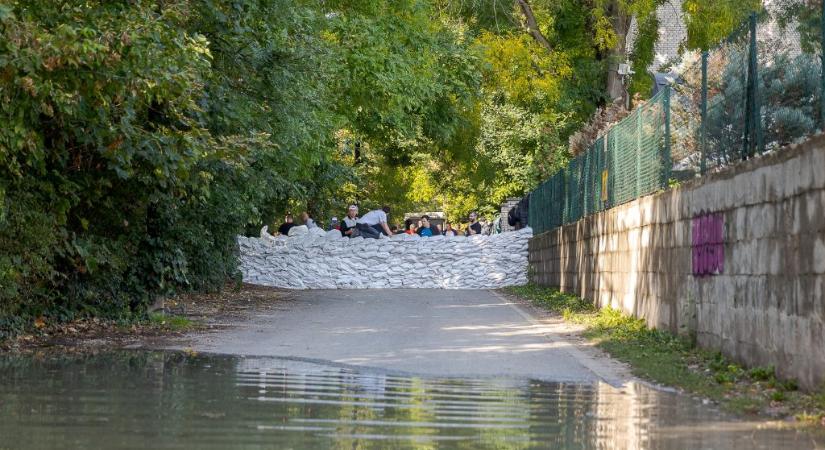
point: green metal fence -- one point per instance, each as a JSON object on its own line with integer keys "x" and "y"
{"x": 758, "y": 90}
{"x": 631, "y": 160}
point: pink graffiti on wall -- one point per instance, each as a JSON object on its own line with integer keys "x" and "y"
{"x": 708, "y": 244}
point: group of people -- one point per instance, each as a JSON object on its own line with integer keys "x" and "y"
{"x": 425, "y": 228}
{"x": 375, "y": 223}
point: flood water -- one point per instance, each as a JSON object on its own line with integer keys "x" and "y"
{"x": 173, "y": 400}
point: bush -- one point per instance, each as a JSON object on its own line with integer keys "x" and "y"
{"x": 131, "y": 157}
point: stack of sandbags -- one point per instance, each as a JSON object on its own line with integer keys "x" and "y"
{"x": 319, "y": 260}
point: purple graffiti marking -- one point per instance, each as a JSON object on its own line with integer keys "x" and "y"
{"x": 708, "y": 244}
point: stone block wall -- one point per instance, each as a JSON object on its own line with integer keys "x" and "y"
{"x": 508, "y": 204}
{"x": 321, "y": 260}
{"x": 756, "y": 292}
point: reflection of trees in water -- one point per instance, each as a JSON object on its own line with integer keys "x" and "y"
{"x": 106, "y": 398}
{"x": 168, "y": 399}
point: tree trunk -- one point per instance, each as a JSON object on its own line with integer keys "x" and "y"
{"x": 618, "y": 54}
{"x": 532, "y": 25}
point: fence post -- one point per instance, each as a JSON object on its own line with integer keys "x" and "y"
{"x": 822, "y": 68}
{"x": 564, "y": 194}
{"x": 604, "y": 195}
{"x": 531, "y": 222}
{"x": 702, "y": 131}
{"x": 638, "y": 151}
{"x": 666, "y": 157}
{"x": 567, "y": 202}
{"x": 586, "y": 181}
{"x": 611, "y": 181}
{"x": 745, "y": 151}
{"x": 753, "y": 131}
{"x": 759, "y": 142}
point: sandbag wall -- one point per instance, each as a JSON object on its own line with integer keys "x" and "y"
{"x": 327, "y": 261}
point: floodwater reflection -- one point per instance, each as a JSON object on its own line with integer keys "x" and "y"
{"x": 173, "y": 400}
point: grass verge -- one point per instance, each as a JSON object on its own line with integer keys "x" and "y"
{"x": 667, "y": 359}
{"x": 172, "y": 322}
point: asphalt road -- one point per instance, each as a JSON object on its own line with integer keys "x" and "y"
{"x": 414, "y": 331}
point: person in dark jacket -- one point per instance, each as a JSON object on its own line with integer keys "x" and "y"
{"x": 517, "y": 217}
{"x": 474, "y": 227}
{"x": 284, "y": 228}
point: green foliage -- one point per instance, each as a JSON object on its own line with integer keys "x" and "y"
{"x": 643, "y": 55}
{"x": 100, "y": 153}
{"x": 788, "y": 95}
{"x": 408, "y": 78}
{"x": 552, "y": 299}
{"x": 142, "y": 138}
{"x": 171, "y": 323}
{"x": 711, "y": 21}
{"x": 790, "y": 90}
{"x": 806, "y": 18}
{"x": 762, "y": 373}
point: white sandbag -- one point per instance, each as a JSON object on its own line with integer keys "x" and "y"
{"x": 314, "y": 259}
{"x": 298, "y": 230}
{"x": 333, "y": 234}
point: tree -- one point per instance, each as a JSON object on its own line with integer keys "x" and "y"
{"x": 709, "y": 22}
{"x": 142, "y": 137}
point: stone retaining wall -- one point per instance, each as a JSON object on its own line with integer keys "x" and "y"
{"x": 326, "y": 261}
{"x": 508, "y": 204}
{"x": 735, "y": 259}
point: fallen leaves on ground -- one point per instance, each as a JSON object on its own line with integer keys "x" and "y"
{"x": 232, "y": 304}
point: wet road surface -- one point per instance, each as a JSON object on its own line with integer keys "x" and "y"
{"x": 369, "y": 370}
{"x": 165, "y": 400}
{"x": 415, "y": 331}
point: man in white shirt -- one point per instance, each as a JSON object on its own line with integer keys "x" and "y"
{"x": 373, "y": 223}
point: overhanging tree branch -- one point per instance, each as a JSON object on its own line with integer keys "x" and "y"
{"x": 532, "y": 25}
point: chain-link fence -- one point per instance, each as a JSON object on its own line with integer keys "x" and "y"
{"x": 757, "y": 91}
{"x": 631, "y": 160}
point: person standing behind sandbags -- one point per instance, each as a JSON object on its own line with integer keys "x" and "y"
{"x": 373, "y": 223}
{"x": 474, "y": 227}
{"x": 284, "y": 228}
{"x": 334, "y": 224}
{"x": 424, "y": 230}
{"x": 349, "y": 222}
{"x": 434, "y": 227}
{"x": 448, "y": 230}
{"x": 308, "y": 220}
